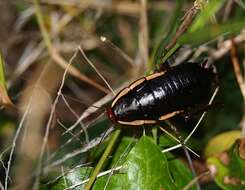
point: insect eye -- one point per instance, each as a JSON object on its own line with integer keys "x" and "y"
{"x": 111, "y": 115}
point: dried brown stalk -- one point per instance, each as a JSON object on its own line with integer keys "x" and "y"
{"x": 57, "y": 57}
{"x": 143, "y": 33}
{"x": 240, "y": 80}
{"x": 237, "y": 69}
{"x": 188, "y": 18}
{"x": 225, "y": 46}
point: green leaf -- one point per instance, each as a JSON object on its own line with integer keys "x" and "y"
{"x": 237, "y": 164}
{"x": 74, "y": 177}
{"x": 180, "y": 173}
{"x": 147, "y": 168}
{"x": 210, "y": 32}
{"x": 122, "y": 151}
{"x": 221, "y": 142}
{"x": 221, "y": 171}
{"x": 206, "y": 14}
{"x": 117, "y": 181}
{"x": 229, "y": 175}
{"x": 113, "y": 182}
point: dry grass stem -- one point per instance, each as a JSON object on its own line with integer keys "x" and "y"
{"x": 119, "y": 7}
{"x": 225, "y": 46}
{"x": 74, "y": 153}
{"x": 143, "y": 33}
{"x": 46, "y": 135}
{"x": 77, "y": 116}
{"x": 187, "y": 20}
{"x": 237, "y": 69}
{"x": 20, "y": 126}
{"x": 240, "y": 80}
{"x": 57, "y": 57}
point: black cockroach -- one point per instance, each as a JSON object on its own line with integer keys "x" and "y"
{"x": 163, "y": 95}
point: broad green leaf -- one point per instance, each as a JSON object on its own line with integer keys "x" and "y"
{"x": 179, "y": 172}
{"x": 116, "y": 181}
{"x": 147, "y": 168}
{"x": 221, "y": 171}
{"x": 210, "y": 32}
{"x": 122, "y": 151}
{"x": 72, "y": 178}
{"x": 206, "y": 14}
{"x": 221, "y": 143}
{"x": 237, "y": 164}
{"x": 230, "y": 175}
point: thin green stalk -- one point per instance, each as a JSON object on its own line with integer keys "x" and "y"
{"x": 170, "y": 52}
{"x": 103, "y": 159}
{"x": 43, "y": 29}
{"x": 154, "y": 134}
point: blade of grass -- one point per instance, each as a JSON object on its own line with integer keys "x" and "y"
{"x": 103, "y": 159}
{"x": 159, "y": 51}
{"x": 4, "y": 98}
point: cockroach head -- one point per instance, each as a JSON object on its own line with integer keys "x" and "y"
{"x": 110, "y": 115}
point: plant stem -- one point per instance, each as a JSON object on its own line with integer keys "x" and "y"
{"x": 40, "y": 20}
{"x": 103, "y": 159}
{"x": 170, "y": 52}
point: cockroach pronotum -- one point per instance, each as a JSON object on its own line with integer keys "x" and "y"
{"x": 163, "y": 95}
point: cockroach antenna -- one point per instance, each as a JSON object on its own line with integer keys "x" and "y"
{"x": 96, "y": 70}
{"x": 118, "y": 50}
{"x": 81, "y": 102}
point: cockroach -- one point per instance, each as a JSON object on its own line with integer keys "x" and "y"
{"x": 163, "y": 95}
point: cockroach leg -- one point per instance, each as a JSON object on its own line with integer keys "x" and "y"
{"x": 187, "y": 115}
{"x": 179, "y": 137}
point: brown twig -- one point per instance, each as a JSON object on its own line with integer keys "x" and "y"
{"x": 237, "y": 69}
{"x": 187, "y": 20}
{"x": 225, "y": 47}
{"x": 240, "y": 80}
{"x": 228, "y": 9}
